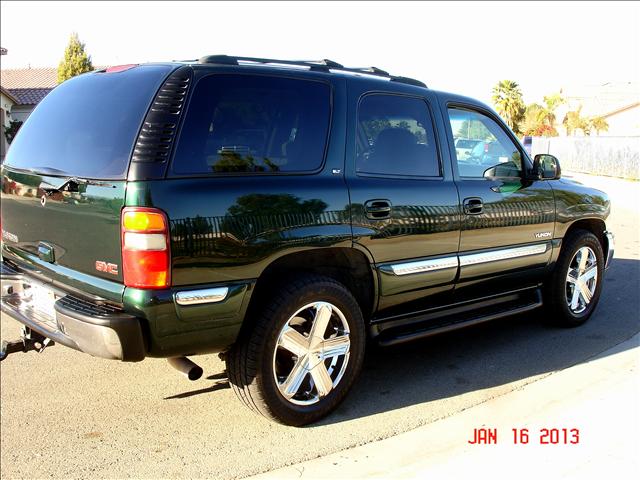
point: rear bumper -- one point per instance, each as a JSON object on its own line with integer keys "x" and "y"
{"x": 610, "y": 239}
{"x": 101, "y": 330}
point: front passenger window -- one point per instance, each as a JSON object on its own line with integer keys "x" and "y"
{"x": 483, "y": 148}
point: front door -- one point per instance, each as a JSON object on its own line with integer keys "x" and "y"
{"x": 507, "y": 221}
{"x": 404, "y": 203}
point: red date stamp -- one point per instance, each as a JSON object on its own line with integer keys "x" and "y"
{"x": 524, "y": 436}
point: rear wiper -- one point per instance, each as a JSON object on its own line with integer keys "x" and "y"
{"x": 67, "y": 181}
{"x": 71, "y": 184}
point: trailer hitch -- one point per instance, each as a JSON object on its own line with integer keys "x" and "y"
{"x": 29, "y": 340}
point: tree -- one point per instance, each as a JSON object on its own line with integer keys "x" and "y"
{"x": 534, "y": 118}
{"x": 599, "y": 124}
{"x": 538, "y": 121}
{"x": 507, "y": 99}
{"x": 373, "y": 127}
{"x": 271, "y": 205}
{"x": 545, "y": 131}
{"x": 552, "y": 102}
{"x": 11, "y": 131}
{"x": 75, "y": 61}
{"x": 474, "y": 130}
{"x": 574, "y": 121}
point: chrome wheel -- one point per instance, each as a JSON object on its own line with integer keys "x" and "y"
{"x": 312, "y": 353}
{"x": 582, "y": 279}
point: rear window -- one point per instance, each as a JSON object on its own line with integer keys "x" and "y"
{"x": 254, "y": 124}
{"x": 395, "y": 136}
{"x": 88, "y": 125}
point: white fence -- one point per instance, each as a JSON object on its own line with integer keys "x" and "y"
{"x": 612, "y": 156}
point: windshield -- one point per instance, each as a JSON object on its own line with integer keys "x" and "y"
{"x": 87, "y": 126}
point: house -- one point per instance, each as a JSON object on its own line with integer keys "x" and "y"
{"x": 624, "y": 121}
{"x": 617, "y": 102}
{"x": 7, "y": 102}
{"x": 28, "y": 86}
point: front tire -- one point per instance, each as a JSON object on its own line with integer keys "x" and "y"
{"x": 300, "y": 358}
{"x": 573, "y": 291}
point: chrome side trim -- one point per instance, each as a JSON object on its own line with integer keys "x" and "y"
{"x": 206, "y": 295}
{"x": 422, "y": 266}
{"x": 610, "y": 248}
{"x": 502, "y": 254}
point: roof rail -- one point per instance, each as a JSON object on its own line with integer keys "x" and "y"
{"x": 323, "y": 65}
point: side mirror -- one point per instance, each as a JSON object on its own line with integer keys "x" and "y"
{"x": 546, "y": 167}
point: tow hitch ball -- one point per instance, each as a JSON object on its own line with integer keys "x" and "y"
{"x": 29, "y": 340}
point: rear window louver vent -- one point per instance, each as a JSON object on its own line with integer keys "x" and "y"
{"x": 161, "y": 123}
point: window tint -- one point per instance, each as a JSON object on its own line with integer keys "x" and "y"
{"x": 465, "y": 143}
{"x": 483, "y": 149}
{"x": 242, "y": 123}
{"x": 395, "y": 137}
{"x": 87, "y": 126}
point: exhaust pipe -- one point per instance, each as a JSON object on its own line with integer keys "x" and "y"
{"x": 186, "y": 367}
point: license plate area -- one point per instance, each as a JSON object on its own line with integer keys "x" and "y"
{"x": 41, "y": 299}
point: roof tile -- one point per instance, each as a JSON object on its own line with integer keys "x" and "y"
{"x": 29, "y": 85}
{"x": 29, "y": 96}
{"x": 29, "y": 78}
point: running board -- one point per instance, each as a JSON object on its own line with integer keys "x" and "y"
{"x": 422, "y": 327}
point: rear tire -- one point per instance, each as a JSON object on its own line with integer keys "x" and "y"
{"x": 573, "y": 291}
{"x": 300, "y": 357}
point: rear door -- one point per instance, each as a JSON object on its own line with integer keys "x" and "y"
{"x": 403, "y": 200}
{"x": 508, "y": 222}
{"x": 85, "y": 128}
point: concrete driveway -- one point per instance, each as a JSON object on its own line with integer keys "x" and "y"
{"x": 65, "y": 414}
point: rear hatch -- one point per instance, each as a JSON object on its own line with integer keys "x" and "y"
{"x": 64, "y": 177}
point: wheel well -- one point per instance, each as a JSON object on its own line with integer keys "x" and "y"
{"x": 345, "y": 265}
{"x": 593, "y": 225}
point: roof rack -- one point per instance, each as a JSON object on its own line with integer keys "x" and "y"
{"x": 324, "y": 65}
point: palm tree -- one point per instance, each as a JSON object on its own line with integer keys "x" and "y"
{"x": 534, "y": 116}
{"x": 573, "y": 121}
{"x": 552, "y": 102}
{"x": 507, "y": 99}
{"x": 599, "y": 124}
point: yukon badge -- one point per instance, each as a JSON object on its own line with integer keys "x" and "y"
{"x": 543, "y": 234}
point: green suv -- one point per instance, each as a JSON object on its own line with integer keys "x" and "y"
{"x": 282, "y": 214}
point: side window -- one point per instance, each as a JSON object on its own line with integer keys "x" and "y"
{"x": 395, "y": 137}
{"x": 483, "y": 149}
{"x": 244, "y": 123}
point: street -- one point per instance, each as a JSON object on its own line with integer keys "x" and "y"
{"x": 66, "y": 414}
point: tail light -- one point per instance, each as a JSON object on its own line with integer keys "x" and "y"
{"x": 145, "y": 248}
{"x": 120, "y": 68}
{"x": 486, "y": 148}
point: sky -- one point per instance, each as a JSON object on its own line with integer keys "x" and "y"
{"x": 453, "y": 46}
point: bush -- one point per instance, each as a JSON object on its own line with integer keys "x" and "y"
{"x": 11, "y": 131}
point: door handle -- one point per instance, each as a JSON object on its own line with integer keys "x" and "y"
{"x": 377, "y": 209}
{"x": 472, "y": 206}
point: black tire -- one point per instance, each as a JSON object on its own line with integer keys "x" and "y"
{"x": 252, "y": 360}
{"x": 557, "y": 291}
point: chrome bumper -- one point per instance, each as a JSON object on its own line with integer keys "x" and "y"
{"x": 99, "y": 330}
{"x": 610, "y": 239}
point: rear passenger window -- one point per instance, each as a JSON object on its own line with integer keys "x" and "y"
{"x": 256, "y": 124}
{"x": 395, "y": 137}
